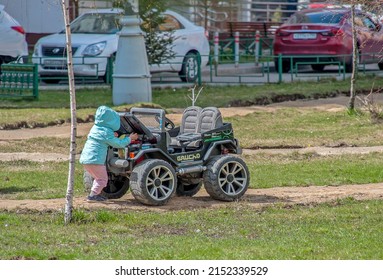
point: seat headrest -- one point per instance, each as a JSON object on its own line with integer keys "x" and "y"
{"x": 190, "y": 120}
{"x": 210, "y": 118}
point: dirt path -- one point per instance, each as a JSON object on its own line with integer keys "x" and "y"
{"x": 83, "y": 128}
{"x": 323, "y": 151}
{"x": 256, "y": 198}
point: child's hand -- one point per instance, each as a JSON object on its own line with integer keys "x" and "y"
{"x": 116, "y": 134}
{"x": 133, "y": 136}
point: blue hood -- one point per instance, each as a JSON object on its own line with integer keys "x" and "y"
{"x": 101, "y": 136}
{"x": 106, "y": 117}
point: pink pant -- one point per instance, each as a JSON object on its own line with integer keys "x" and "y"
{"x": 100, "y": 176}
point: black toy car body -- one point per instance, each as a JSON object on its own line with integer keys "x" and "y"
{"x": 168, "y": 159}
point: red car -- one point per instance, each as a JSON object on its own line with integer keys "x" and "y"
{"x": 324, "y": 36}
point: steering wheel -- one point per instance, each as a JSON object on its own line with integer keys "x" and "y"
{"x": 169, "y": 124}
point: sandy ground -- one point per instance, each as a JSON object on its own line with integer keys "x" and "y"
{"x": 331, "y": 104}
{"x": 256, "y": 198}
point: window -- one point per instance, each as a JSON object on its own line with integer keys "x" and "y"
{"x": 317, "y": 17}
{"x": 369, "y": 23}
{"x": 358, "y": 21}
{"x": 170, "y": 24}
{"x": 96, "y": 24}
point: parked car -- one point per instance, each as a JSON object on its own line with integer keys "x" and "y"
{"x": 12, "y": 39}
{"x": 95, "y": 38}
{"x": 324, "y": 36}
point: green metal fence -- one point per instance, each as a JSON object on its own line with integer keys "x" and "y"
{"x": 278, "y": 69}
{"x": 247, "y": 68}
{"x": 157, "y": 78}
{"x": 317, "y": 63}
{"x": 19, "y": 81}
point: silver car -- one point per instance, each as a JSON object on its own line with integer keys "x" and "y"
{"x": 12, "y": 39}
{"x": 95, "y": 38}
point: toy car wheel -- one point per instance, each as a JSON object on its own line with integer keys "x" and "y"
{"x": 88, "y": 181}
{"x": 115, "y": 188}
{"x": 153, "y": 182}
{"x": 184, "y": 189}
{"x": 226, "y": 178}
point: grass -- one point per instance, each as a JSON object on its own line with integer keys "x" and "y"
{"x": 345, "y": 229}
{"x": 44, "y": 116}
{"x": 53, "y": 106}
{"x": 34, "y": 180}
{"x": 42, "y": 145}
{"x": 30, "y": 180}
{"x": 177, "y": 98}
{"x": 269, "y": 171}
{"x": 58, "y": 99}
{"x": 306, "y": 127}
{"x": 276, "y": 128}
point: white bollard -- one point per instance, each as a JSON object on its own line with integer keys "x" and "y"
{"x": 257, "y": 46}
{"x": 236, "y": 48}
{"x": 131, "y": 78}
{"x": 216, "y": 47}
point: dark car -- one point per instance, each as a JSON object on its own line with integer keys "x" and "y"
{"x": 324, "y": 36}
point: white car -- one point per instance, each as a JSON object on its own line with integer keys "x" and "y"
{"x": 12, "y": 39}
{"x": 95, "y": 38}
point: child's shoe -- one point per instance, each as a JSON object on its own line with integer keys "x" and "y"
{"x": 96, "y": 198}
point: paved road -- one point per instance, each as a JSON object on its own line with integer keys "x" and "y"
{"x": 250, "y": 74}
{"x": 247, "y": 73}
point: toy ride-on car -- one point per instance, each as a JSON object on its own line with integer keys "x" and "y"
{"x": 168, "y": 159}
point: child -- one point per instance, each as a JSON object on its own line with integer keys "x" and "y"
{"x": 93, "y": 156}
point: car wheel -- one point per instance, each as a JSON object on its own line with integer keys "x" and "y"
{"x": 190, "y": 67}
{"x": 115, "y": 188}
{"x": 318, "y": 67}
{"x": 226, "y": 178}
{"x": 153, "y": 182}
{"x": 380, "y": 65}
{"x": 107, "y": 77}
{"x": 51, "y": 81}
{"x": 185, "y": 189}
{"x": 285, "y": 66}
{"x": 348, "y": 65}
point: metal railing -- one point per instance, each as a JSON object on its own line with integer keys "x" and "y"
{"x": 54, "y": 69}
{"x": 51, "y": 77}
{"x": 270, "y": 69}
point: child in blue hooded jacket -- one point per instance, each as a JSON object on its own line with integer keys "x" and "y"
{"x": 93, "y": 155}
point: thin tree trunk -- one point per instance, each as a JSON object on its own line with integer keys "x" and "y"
{"x": 72, "y": 93}
{"x": 351, "y": 104}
